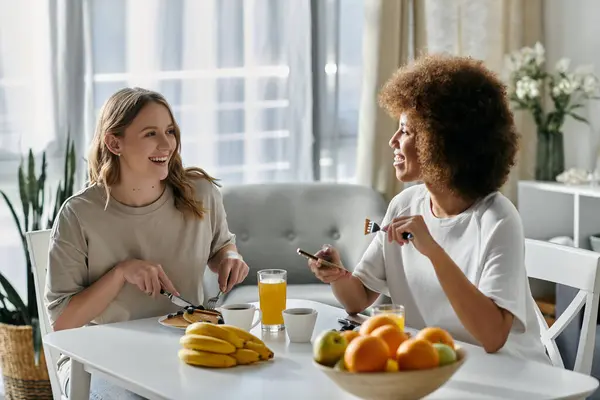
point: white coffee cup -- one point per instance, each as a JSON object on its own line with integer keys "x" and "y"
{"x": 300, "y": 324}
{"x": 240, "y": 315}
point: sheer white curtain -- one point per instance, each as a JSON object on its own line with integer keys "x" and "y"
{"x": 237, "y": 74}
{"x": 488, "y": 30}
{"x": 27, "y": 114}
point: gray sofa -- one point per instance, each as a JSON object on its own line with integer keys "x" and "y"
{"x": 272, "y": 220}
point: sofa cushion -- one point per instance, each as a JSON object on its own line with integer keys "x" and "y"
{"x": 272, "y": 220}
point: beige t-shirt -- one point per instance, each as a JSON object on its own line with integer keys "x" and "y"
{"x": 87, "y": 241}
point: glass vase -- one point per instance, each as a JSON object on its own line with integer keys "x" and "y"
{"x": 550, "y": 161}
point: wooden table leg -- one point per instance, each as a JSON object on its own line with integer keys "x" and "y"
{"x": 79, "y": 382}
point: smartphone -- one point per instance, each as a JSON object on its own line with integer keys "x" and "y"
{"x": 324, "y": 263}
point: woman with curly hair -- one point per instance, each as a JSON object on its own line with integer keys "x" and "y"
{"x": 463, "y": 269}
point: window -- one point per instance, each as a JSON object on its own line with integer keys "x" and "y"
{"x": 264, "y": 90}
{"x": 238, "y": 76}
{"x": 339, "y": 72}
{"x": 232, "y": 71}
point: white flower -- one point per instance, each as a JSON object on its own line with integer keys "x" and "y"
{"x": 527, "y": 55}
{"x": 590, "y": 84}
{"x": 565, "y": 86}
{"x": 563, "y": 65}
{"x": 573, "y": 176}
{"x": 539, "y": 53}
{"x": 527, "y": 88}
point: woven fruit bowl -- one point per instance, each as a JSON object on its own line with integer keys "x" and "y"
{"x": 394, "y": 385}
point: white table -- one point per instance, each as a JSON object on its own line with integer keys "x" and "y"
{"x": 142, "y": 357}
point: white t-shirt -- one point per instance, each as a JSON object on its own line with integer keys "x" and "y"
{"x": 486, "y": 242}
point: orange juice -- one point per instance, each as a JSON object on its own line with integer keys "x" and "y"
{"x": 399, "y": 320}
{"x": 394, "y": 311}
{"x": 272, "y": 295}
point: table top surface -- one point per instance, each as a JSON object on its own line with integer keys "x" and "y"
{"x": 143, "y": 355}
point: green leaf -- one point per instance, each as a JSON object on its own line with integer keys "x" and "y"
{"x": 32, "y": 309}
{"x": 66, "y": 165}
{"x": 56, "y": 206}
{"x": 32, "y": 184}
{"x": 24, "y": 197}
{"x": 15, "y": 217}
{"x": 575, "y": 106}
{"x": 579, "y": 118}
{"x": 41, "y": 186}
{"x": 73, "y": 167}
{"x": 14, "y": 298}
{"x": 2, "y": 297}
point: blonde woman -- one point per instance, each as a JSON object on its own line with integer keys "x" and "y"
{"x": 144, "y": 223}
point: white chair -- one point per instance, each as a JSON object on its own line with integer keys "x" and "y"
{"x": 573, "y": 267}
{"x": 38, "y": 243}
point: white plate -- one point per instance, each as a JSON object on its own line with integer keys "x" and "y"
{"x": 163, "y": 318}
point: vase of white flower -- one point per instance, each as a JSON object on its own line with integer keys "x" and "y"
{"x": 550, "y": 161}
{"x": 568, "y": 91}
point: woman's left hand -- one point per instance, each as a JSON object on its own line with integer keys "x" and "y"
{"x": 231, "y": 272}
{"x": 422, "y": 239}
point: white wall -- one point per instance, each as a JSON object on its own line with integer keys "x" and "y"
{"x": 571, "y": 30}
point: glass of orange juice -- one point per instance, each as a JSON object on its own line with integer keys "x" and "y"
{"x": 395, "y": 311}
{"x": 272, "y": 287}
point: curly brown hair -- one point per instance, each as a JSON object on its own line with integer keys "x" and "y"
{"x": 464, "y": 129}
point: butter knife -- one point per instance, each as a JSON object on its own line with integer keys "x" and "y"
{"x": 178, "y": 300}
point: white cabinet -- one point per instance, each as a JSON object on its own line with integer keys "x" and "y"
{"x": 550, "y": 209}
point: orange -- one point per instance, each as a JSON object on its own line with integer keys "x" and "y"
{"x": 375, "y": 322}
{"x": 392, "y": 335}
{"x": 366, "y": 354}
{"x": 350, "y": 335}
{"x": 417, "y": 354}
{"x": 436, "y": 335}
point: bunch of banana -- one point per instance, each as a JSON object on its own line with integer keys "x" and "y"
{"x": 221, "y": 346}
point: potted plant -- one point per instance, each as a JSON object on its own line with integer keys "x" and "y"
{"x": 568, "y": 91}
{"x": 23, "y": 366}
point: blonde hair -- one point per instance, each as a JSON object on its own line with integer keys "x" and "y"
{"x": 116, "y": 115}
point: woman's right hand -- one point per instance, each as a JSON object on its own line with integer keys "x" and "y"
{"x": 324, "y": 273}
{"x": 148, "y": 277}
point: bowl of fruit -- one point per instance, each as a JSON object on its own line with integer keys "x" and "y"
{"x": 381, "y": 361}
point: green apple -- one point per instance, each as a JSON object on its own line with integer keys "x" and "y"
{"x": 446, "y": 353}
{"x": 329, "y": 347}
